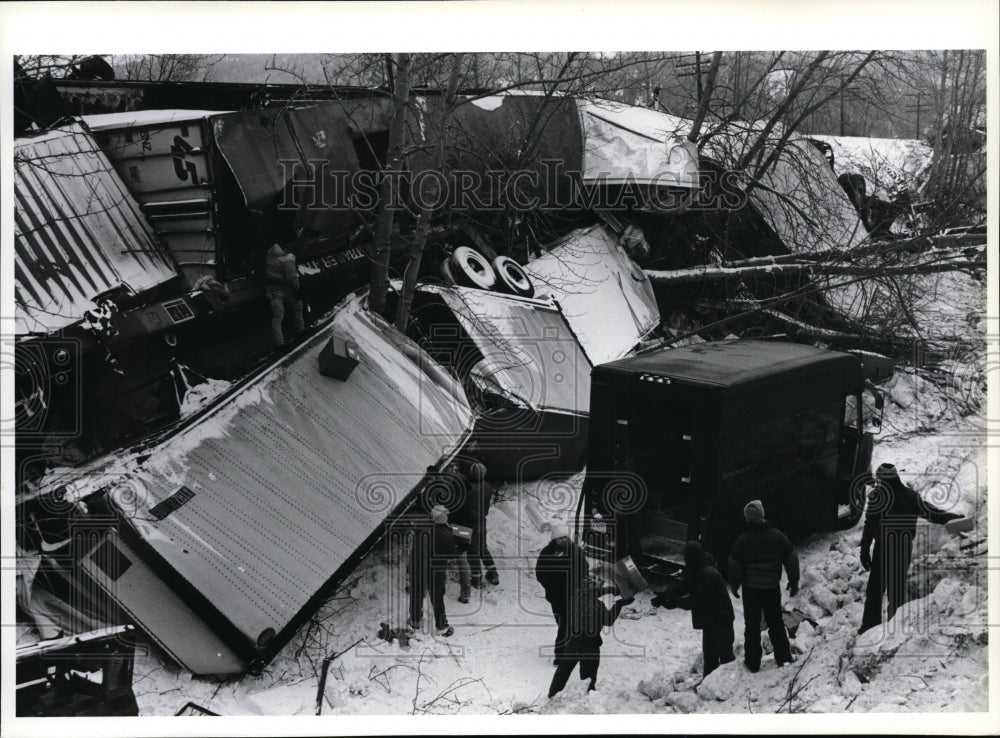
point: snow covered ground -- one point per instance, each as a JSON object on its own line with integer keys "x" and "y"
{"x": 931, "y": 658}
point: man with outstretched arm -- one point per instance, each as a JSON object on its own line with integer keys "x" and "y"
{"x": 891, "y": 523}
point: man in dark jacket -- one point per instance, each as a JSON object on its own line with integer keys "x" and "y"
{"x": 450, "y": 488}
{"x": 755, "y": 562}
{"x": 477, "y": 507}
{"x": 281, "y": 286}
{"x": 703, "y": 591}
{"x": 433, "y": 545}
{"x": 561, "y": 569}
{"x": 891, "y": 523}
{"x": 586, "y": 617}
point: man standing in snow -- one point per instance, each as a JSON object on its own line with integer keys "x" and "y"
{"x": 480, "y": 494}
{"x": 891, "y": 523}
{"x": 755, "y": 562}
{"x": 432, "y": 546}
{"x": 703, "y": 591}
{"x": 561, "y": 570}
{"x": 281, "y": 286}
{"x": 587, "y": 615}
{"x": 450, "y": 489}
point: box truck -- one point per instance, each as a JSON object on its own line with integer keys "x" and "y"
{"x": 682, "y": 438}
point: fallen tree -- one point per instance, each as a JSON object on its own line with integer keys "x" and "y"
{"x": 969, "y": 259}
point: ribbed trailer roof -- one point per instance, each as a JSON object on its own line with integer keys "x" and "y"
{"x": 260, "y": 505}
{"x": 78, "y": 233}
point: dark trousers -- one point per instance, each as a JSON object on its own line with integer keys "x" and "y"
{"x": 717, "y": 646}
{"x": 890, "y": 565}
{"x": 418, "y": 588}
{"x": 767, "y": 601}
{"x": 479, "y": 554}
{"x": 588, "y": 655}
{"x": 562, "y": 636}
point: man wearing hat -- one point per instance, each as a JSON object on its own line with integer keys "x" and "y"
{"x": 891, "y": 523}
{"x": 561, "y": 570}
{"x": 755, "y": 562}
{"x": 433, "y": 545}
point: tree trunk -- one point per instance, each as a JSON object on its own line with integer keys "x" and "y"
{"x": 388, "y": 189}
{"x": 706, "y": 98}
{"x": 942, "y": 262}
{"x": 416, "y": 251}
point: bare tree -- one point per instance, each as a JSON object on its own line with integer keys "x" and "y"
{"x": 400, "y": 67}
{"x": 167, "y": 67}
{"x": 750, "y": 110}
{"x": 426, "y": 211}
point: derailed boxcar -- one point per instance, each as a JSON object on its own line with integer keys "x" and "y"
{"x": 681, "y": 439}
{"x": 222, "y": 538}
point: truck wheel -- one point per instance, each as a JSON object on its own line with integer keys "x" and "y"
{"x": 472, "y": 269}
{"x": 511, "y": 277}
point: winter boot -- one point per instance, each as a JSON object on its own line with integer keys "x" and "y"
{"x": 492, "y": 577}
{"x": 446, "y": 631}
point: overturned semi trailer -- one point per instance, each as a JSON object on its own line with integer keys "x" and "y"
{"x": 221, "y": 540}
{"x": 524, "y": 371}
{"x": 606, "y": 298}
{"x": 796, "y": 192}
{"x": 526, "y": 362}
{"x": 220, "y": 187}
{"x": 79, "y": 236}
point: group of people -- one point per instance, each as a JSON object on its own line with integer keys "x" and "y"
{"x": 759, "y": 555}
{"x": 756, "y": 561}
{"x": 458, "y": 499}
{"x": 755, "y": 564}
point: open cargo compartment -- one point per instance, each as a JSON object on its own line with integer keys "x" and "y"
{"x": 681, "y": 439}
{"x": 234, "y": 529}
{"x": 524, "y": 371}
{"x": 219, "y": 188}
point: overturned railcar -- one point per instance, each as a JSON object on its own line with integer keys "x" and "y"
{"x": 221, "y": 539}
{"x": 681, "y": 439}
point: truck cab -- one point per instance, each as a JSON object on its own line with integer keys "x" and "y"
{"x": 682, "y": 438}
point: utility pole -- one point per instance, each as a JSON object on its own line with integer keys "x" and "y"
{"x": 697, "y": 73}
{"x": 842, "y": 85}
{"x": 692, "y": 69}
{"x": 915, "y": 108}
